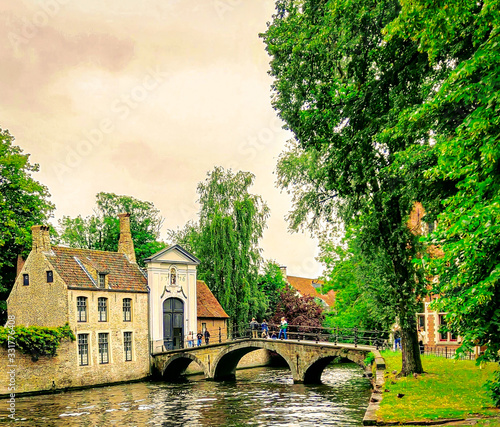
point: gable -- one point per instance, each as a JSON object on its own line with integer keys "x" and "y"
{"x": 174, "y": 255}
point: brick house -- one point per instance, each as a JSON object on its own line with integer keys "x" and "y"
{"x": 430, "y": 320}
{"x": 103, "y": 296}
{"x": 311, "y": 287}
{"x": 211, "y": 315}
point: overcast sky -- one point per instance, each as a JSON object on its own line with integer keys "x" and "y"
{"x": 143, "y": 98}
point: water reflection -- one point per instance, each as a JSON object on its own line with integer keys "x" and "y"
{"x": 260, "y": 396}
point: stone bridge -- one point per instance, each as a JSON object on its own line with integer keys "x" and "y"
{"x": 306, "y": 359}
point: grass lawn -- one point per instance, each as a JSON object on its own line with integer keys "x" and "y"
{"x": 448, "y": 389}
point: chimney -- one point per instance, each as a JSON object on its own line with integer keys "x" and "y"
{"x": 41, "y": 238}
{"x": 125, "y": 244}
{"x": 283, "y": 271}
{"x": 20, "y": 264}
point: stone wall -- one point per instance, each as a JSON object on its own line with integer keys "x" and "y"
{"x": 62, "y": 371}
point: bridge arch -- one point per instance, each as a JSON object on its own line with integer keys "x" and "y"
{"x": 224, "y": 366}
{"x": 176, "y": 365}
{"x": 316, "y": 366}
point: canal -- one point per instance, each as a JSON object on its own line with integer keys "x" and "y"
{"x": 259, "y": 396}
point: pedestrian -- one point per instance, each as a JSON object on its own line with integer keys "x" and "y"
{"x": 421, "y": 338}
{"x": 396, "y": 331}
{"x": 190, "y": 339}
{"x": 207, "y": 336}
{"x": 254, "y": 326}
{"x": 265, "y": 329}
{"x": 199, "y": 336}
{"x": 283, "y": 327}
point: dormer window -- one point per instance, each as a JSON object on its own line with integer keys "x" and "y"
{"x": 50, "y": 276}
{"x": 102, "y": 280}
{"x": 173, "y": 276}
{"x": 26, "y": 279}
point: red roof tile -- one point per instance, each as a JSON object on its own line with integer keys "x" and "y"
{"x": 80, "y": 268}
{"x": 305, "y": 286}
{"x": 207, "y": 304}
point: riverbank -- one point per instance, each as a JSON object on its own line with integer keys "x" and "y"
{"x": 450, "y": 391}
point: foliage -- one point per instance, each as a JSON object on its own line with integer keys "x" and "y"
{"x": 356, "y": 280}
{"x": 301, "y": 312}
{"x": 339, "y": 86}
{"x": 101, "y": 230}
{"x": 23, "y": 203}
{"x": 271, "y": 282}
{"x": 226, "y": 241}
{"x": 493, "y": 387}
{"x": 448, "y": 389}
{"x": 369, "y": 359}
{"x": 463, "y": 115}
{"x": 37, "y": 341}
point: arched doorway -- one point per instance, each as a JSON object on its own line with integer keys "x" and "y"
{"x": 173, "y": 321}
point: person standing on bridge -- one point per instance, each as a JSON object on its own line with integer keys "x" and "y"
{"x": 283, "y": 327}
{"x": 254, "y": 326}
{"x": 207, "y": 336}
{"x": 265, "y": 329}
{"x": 199, "y": 336}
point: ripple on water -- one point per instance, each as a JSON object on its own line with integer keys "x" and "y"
{"x": 261, "y": 396}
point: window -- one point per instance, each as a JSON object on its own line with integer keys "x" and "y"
{"x": 127, "y": 309}
{"x": 173, "y": 276}
{"x": 203, "y": 328}
{"x": 102, "y": 280}
{"x": 81, "y": 309}
{"x": 421, "y": 321}
{"x": 103, "y": 348}
{"x": 26, "y": 279}
{"x": 445, "y": 336}
{"x": 102, "y": 309}
{"x": 127, "y": 345}
{"x": 50, "y": 276}
{"x": 83, "y": 349}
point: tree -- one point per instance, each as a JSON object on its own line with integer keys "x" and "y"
{"x": 464, "y": 117}
{"x": 226, "y": 241}
{"x": 302, "y": 313}
{"x": 340, "y": 86}
{"x": 23, "y": 203}
{"x": 356, "y": 281}
{"x": 271, "y": 282}
{"x": 101, "y": 231}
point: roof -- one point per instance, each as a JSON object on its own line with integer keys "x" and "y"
{"x": 304, "y": 286}
{"x": 79, "y": 268}
{"x": 188, "y": 257}
{"x": 208, "y": 306}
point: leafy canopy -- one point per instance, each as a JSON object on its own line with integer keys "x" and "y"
{"x": 101, "y": 230}
{"x": 24, "y": 202}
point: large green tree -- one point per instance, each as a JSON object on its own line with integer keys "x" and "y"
{"x": 101, "y": 230}
{"x": 226, "y": 240}
{"x": 463, "y": 117}
{"x": 339, "y": 85}
{"x": 24, "y": 202}
{"x": 271, "y": 283}
{"x": 356, "y": 281}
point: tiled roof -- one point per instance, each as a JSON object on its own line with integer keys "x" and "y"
{"x": 305, "y": 286}
{"x": 208, "y": 306}
{"x": 80, "y": 268}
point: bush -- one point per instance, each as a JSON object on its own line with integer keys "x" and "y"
{"x": 36, "y": 340}
{"x": 493, "y": 387}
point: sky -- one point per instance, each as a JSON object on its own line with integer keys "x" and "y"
{"x": 144, "y": 98}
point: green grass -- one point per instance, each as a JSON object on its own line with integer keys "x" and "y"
{"x": 447, "y": 389}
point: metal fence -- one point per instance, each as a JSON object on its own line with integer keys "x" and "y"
{"x": 449, "y": 353}
{"x": 355, "y": 336}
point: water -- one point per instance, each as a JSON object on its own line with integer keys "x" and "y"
{"x": 259, "y": 397}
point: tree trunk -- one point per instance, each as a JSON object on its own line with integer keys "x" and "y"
{"x": 412, "y": 363}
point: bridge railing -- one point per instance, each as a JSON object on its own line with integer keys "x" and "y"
{"x": 355, "y": 336}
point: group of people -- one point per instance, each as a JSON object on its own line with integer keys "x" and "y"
{"x": 199, "y": 337}
{"x": 262, "y": 330}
